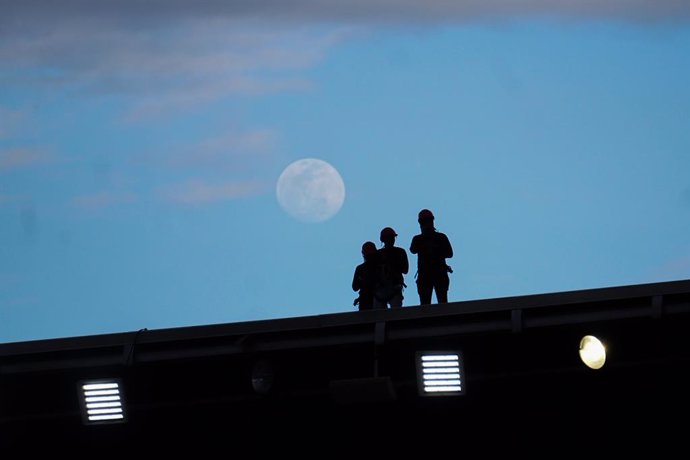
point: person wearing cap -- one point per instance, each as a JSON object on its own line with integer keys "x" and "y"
{"x": 364, "y": 279}
{"x": 392, "y": 268}
{"x": 432, "y": 249}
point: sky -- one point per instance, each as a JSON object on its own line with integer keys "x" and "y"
{"x": 141, "y": 145}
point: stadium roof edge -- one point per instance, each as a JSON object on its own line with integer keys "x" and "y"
{"x": 504, "y": 313}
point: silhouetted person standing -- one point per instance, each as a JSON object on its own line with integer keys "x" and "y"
{"x": 364, "y": 279}
{"x": 392, "y": 268}
{"x": 432, "y": 249}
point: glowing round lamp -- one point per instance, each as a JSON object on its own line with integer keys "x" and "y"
{"x": 592, "y": 352}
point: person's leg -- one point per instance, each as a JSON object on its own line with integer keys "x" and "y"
{"x": 424, "y": 289}
{"x": 379, "y": 305}
{"x": 396, "y": 301}
{"x": 366, "y": 302}
{"x": 441, "y": 287}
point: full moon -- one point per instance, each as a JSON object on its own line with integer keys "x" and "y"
{"x": 310, "y": 190}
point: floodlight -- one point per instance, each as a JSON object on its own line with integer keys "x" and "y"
{"x": 101, "y": 401}
{"x": 592, "y": 352}
{"x": 440, "y": 373}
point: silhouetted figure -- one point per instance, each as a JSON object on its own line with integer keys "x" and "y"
{"x": 392, "y": 268}
{"x": 364, "y": 280}
{"x": 432, "y": 249}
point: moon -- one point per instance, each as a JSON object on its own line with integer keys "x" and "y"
{"x": 310, "y": 190}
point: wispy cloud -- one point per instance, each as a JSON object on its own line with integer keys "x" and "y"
{"x": 178, "y": 65}
{"x": 102, "y": 200}
{"x": 233, "y": 165}
{"x": 200, "y": 93}
{"x": 176, "y": 54}
{"x": 196, "y": 192}
{"x": 14, "y": 158}
{"x": 236, "y": 151}
{"x": 139, "y": 12}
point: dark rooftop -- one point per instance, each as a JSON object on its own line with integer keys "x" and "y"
{"x": 344, "y": 385}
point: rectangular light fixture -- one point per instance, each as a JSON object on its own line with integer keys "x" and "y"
{"x": 440, "y": 373}
{"x": 101, "y": 401}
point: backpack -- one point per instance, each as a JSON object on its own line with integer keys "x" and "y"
{"x": 387, "y": 286}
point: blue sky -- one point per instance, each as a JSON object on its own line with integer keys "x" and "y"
{"x": 140, "y": 147}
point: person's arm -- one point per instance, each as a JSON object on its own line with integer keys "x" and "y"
{"x": 356, "y": 280}
{"x": 404, "y": 263}
{"x": 414, "y": 245}
{"x": 448, "y": 250}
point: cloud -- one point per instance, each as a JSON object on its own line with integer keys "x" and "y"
{"x": 172, "y": 55}
{"x": 102, "y": 200}
{"x": 204, "y": 92}
{"x": 175, "y": 65}
{"x": 234, "y": 151}
{"x": 202, "y": 192}
{"x": 233, "y": 165}
{"x": 14, "y": 158}
{"x": 138, "y": 12}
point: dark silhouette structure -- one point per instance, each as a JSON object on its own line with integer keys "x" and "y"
{"x": 364, "y": 279}
{"x": 432, "y": 249}
{"x": 309, "y": 387}
{"x": 393, "y": 266}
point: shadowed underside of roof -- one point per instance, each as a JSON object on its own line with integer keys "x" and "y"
{"x": 345, "y": 385}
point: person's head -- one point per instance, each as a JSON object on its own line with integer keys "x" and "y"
{"x": 368, "y": 250}
{"x": 425, "y": 219}
{"x": 388, "y": 236}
